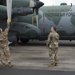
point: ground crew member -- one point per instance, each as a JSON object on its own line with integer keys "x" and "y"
{"x": 52, "y": 44}
{"x": 4, "y": 47}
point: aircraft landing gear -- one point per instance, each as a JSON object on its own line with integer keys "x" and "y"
{"x": 70, "y": 40}
{"x": 24, "y": 40}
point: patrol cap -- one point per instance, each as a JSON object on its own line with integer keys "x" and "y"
{"x": 53, "y": 27}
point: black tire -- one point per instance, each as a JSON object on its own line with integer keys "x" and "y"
{"x": 24, "y": 40}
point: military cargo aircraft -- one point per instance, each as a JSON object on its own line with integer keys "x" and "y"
{"x": 19, "y": 8}
{"x": 37, "y": 25}
{"x": 62, "y": 17}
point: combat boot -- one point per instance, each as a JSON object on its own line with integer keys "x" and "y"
{"x": 55, "y": 64}
{"x": 51, "y": 65}
{"x": 9, "y": 64}
{"x": 3, "y": 65}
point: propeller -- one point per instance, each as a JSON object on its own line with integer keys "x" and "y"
{"x": 36, "y": 9}
{"x": 9, "y": 10}
{"x": 36, "y": 4}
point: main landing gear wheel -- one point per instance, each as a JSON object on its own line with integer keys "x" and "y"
{"x": 24, "y": 40}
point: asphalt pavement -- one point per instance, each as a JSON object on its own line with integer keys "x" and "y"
{"x": 33, "y": 59}
{"x": 15, "y": 71}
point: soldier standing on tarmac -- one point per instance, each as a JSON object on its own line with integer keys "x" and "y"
{"x": 4, "y": 47}
{"x": 52, "y": 44}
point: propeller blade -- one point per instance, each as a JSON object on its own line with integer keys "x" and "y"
{"x": 37, "y": 20}
{"x": 36, "y": 0}
{"x": 9, "y": 10}
{"x": 32, "y": 3}
{"x": 36, "y": 15}
{"x": 38, "y": 4}
{"x": 36, "y": 7}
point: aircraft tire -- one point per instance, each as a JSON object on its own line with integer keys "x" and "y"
{"x": 24, "y": 40}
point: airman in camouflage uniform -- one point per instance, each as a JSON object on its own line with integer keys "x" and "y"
{"x": 4, "y": 47}
{"x": 52, "y": 44}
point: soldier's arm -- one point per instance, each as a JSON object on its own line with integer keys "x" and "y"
{"x": 48, "y": 40}
{"x": 6, "y": 30}
{"x": 1, "y": 38}
{"x": 57, "y": 37}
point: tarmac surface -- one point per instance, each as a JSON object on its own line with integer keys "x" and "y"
{"x": 33, "y": 59}
{"x": 34, "y": 55}
{"x": 16, "y": 71}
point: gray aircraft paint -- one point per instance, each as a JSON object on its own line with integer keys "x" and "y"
{"x": 64, "y": 23}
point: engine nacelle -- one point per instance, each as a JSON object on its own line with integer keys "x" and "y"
{"x": 3, "y": 12}
{"x": 22, "y": 11}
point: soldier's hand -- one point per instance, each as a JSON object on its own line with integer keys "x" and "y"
{"x": 8, "y": 21}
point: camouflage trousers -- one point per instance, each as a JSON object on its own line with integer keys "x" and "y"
{"x": 5, "y": 54}
{"x": 53, "y": 55}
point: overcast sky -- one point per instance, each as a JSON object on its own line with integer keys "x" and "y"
{"x": 57, "y": 2}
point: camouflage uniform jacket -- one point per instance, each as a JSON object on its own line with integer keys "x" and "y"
{"x": 53, "y": 40}
{"x": 4, "y": 37}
